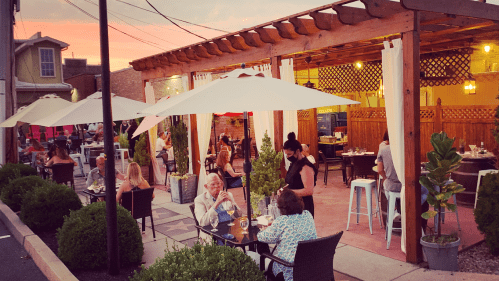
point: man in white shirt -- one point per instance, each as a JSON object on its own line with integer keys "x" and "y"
{"x": 161, "y": 146}
{"x": 92, "y": 127}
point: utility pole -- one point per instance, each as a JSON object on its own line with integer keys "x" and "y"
{"x": 8, "y": 145}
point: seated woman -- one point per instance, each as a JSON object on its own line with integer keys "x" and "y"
{"x": 233, "y": 179}
{"x": 295, "y": 224}
{"x": 133, "y": 181}
{"x": 224, "y": 145}
{"x": 61, "y": 156}
{"x": 34, "y": 147}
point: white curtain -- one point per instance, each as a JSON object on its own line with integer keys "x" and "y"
{"x": 149, "y": 90}
{"x": 290, "y": 117}
{"x": 392, "y": 61}
{"x": 204, "y": 132}
{"x": 263, "y": 121}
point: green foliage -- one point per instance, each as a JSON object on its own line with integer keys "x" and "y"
{"x": 12, "y": 171}
{"x": 141, "y": 156}
{"x": 13, "y": 194}
{"x": 254, "y": 200}
{"x": 266, "y": 176}
{"x": 443, "y": 160}
{"x": 201, "y": 262}
{"x": 83, "y": 243}
{"x": 45, "y": 207}
{"x": 180, "y": 147}
{"x": 487, "y": 211}
{"x": 123, "y": 140}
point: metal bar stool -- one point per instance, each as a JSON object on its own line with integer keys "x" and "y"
{"x": 392, "y": 198}
{"x": 369, "y": 185}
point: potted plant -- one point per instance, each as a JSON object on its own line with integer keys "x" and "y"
{"x": 265, "y": 178}
{"x": 142, "y": 156}
{"x": 183, "y": 185}
{"x": 123, "y": 140}
{"x": 441, "y": 250}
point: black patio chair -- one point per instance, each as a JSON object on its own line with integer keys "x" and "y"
{"x": 192, "y": 207}
{"x": 168, "y": 163}
{"x": 332, "y": 164}
{"x": 75, "y": 146}
{"x": 363, "y": 166}
{"x": 61, "y": 143}
{"x": 139, "y": 203}
{"x": 313, "y": 259}
{"x": 63, "y": 173}
{"x": 226, "y": 180}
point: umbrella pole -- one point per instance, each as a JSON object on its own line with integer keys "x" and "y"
{"x": 215, "y": 134}
{"x": 247, "y": 165}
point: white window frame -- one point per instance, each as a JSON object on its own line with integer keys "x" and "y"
{"x": 40, "y": 61}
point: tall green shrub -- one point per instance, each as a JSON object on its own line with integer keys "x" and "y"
{"x": 140, "y": 155}
{"x": 45, "y": 207}
{"x": 487, "y": 211}
{"x": 12, "y": 171}
{"x": 13, "y": 194}
{"x": 180, "y": 147}
{"x": 202, "y": 262}
{"x": 82, "y": 238}
{"x": 266, "y": 174}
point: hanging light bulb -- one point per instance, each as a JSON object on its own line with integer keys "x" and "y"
{"x": 309, "y": 84}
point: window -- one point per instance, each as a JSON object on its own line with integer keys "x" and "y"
{"x": 47, "y": 65}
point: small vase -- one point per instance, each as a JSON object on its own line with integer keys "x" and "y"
{"x": 461, "y": 149}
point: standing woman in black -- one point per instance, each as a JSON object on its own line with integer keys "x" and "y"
{"x": 302, "y": 175}
{"x": 131, "y": 141}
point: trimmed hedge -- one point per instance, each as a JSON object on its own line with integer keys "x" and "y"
{"x": 44, "y": 208}
{"x": 83, "y": 241}
{"x": 12, "y": 171}
{"x": 14, "y": 193}
{"x": 487, "y": 211}
{"x": 202, "y": 262}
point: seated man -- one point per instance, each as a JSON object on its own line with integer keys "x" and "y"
{"x": 161, "y": 147}
{"x": 99, "y": 174}
{"x": 209, "y": 204}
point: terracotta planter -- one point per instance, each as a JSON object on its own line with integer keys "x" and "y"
{"x": 184, "y": 190}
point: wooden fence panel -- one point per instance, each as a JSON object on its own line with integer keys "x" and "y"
{"x": 473, "y": 123}
{"x": 307, "y": 130}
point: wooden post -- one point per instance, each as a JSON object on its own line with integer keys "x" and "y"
{"x": 194, "y": 145}
{"x": 410, "y": 42}
{"x": 438, "y": 117}
{"x": 278, "y": 114}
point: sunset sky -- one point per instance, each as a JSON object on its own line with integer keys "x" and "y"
{"x": 62, "y": 21}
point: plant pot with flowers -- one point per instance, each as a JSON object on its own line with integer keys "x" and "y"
{"x": 441, "y": 250}
{"x": 183, "y": 185}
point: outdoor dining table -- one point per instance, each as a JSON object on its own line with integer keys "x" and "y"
{"x": 347, "y": 160}
{"x": 239, "y": 240}
{"x": 86, "y": 148}
{"x": 323, "y": 146}
{"x": 94, "y": 197}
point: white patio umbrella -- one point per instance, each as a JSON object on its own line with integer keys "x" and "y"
{"x": 89, "y": 110}
{"x": 151, "y": 121}
{"x": 244, "y": 90}
{"x": 39, "y": 109}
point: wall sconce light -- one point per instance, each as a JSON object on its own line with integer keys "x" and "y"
{"x": 381, "y": 90}
{"x": 470, "y": 86}
{"x": 358, "y": 65}
{"x": 486, "y": 48}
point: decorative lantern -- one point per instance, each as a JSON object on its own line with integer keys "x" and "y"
{"x": 470, "y": 86}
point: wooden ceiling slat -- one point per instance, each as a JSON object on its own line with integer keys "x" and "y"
{"x": 351, "y": 15}
{"x": 303, "y": 26}
{"x": 181, "y": 56}
{"x": 458, "y": 29}
{"x": 224, "y": 46}
{"x": 382, "y": 8}
{"x": 172, "y": 58}
{"x": 322, "y": 21}
{"x": 164, "y": 60}
{"x": 252, "y": 39}
{"x": 212, "y": 48}
{"x": 285, "y": 30}
{"x": 455, "y": 7}
{"x": 268, "y": 35}
{"x": 237, "y": 42}
{"x": 201, "y": 51}
{"x": 191, "y": 54}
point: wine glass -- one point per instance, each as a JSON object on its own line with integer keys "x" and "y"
{"x": 244, "y": 224}
{"x": 472, "y": 147}
{"x": 230, "y": 210}
{"x": 214, "y": 223}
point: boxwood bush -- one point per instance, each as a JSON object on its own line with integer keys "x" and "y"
{"x": 83, "y": 241}
{"x": 14, "y": 192}
{"x": 11, "y": 171}
{"x": 45, "y": 207}
{"x": 201, "y": 262}
{"x": 487, "y": 211}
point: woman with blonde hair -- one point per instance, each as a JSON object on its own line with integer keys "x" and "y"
{"x": 133, "y": 181}
{"x": 233, "y": 179}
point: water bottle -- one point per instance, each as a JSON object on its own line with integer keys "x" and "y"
{"x": 482, "y": 148}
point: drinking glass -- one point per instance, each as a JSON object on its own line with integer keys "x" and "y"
{"x": 214, "y": 223}
{"x": 244, "y": 224}
{"x": 472, "y": 147}
{"x": 230, "y": 210}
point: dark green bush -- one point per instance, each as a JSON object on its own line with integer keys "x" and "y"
{"x": 11, "y": 171}
{"x": 487, "y": 211}
{"x": 83, "y": 241}
{"x": 44, "y": 207}
{"x": 201, "y": 262}
{"x": 14, "y": 192}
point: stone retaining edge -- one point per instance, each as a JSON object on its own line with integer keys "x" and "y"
{"x": 51, "y": 266}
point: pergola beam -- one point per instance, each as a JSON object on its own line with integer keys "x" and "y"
{"x": 455, "y": 7}
{"x": 351, "y": 15}
{"x": 382, "y": 8}
{"x": 303, "y": 26}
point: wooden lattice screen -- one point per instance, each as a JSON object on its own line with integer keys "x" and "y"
{"x": 437, "y": 69}
{"x": 347, "y": 78}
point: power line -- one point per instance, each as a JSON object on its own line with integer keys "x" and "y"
{"x": 112, "y": 27}
{"x": 203, "y": 26}
{"x": 89, "y": 1}
{"x": 175, "y": 22}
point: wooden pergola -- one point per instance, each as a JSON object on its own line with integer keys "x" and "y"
{"x": 337, "y": 34}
